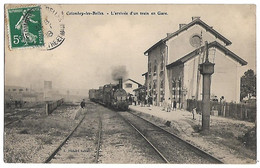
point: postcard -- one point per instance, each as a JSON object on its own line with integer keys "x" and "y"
{"x": 130, "y": 83}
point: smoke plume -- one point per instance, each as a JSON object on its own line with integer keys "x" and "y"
{"x": 119, "y": 72}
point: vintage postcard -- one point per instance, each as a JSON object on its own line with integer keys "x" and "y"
{"x": 130, "y": 84}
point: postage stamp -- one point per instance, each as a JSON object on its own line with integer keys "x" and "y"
{"x": 25, "y": 26}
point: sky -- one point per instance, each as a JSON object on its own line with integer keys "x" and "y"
{"x": 95, "y": 45}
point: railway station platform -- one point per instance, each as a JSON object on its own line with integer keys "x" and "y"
{"x": 163, "y": 114}
{"x": 180, "y": 115}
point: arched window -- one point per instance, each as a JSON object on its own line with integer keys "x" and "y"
{"x": 155, "y": 67}
{"x": 154, "y": 84}
{"x": 150, "y": 86}
{"x": 162, "y": 66}
{"x": 162, "y": 83}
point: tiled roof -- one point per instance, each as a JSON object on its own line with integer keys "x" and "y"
{"x": 210, "y": 45}
{"x": 133, "y": 81}
{"x": 194, "y": 22}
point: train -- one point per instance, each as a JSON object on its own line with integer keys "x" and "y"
{"x": 110, "y": 95}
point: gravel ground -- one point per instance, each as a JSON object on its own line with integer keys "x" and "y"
{"x": 11, "y": 115}
{"x": 121, "y": 143}
{"x": 31, "y": 139}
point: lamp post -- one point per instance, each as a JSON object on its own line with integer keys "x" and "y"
{"x": 206, "y": 69}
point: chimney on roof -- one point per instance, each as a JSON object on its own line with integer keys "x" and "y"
{"x": 182, "y": 25}
{"x": 120, "y": 83}
{"x": 195, "y": 17}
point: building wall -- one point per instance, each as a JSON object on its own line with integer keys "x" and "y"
{"x": 156, "y": 74}
{"x": 176, "y": 76}
{"x": 224, "y": 82}
{"x": 179, "y": 45}
{"x": 191, "y": 80}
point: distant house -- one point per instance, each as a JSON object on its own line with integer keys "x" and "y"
{"x": 130, "y": 85}
{"x": 15, "y": 92}
{"x": 174, "y": 60}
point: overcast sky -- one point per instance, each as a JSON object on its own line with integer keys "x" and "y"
{"x": 96, "y": 44}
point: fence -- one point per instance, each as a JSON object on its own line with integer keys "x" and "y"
{"x": 51, "y": 106}
{"x": 239, "y": 111}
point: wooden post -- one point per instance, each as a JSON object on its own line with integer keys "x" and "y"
{"x": 47, "y": 108}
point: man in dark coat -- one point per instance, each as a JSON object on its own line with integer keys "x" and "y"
{"x": 82, "y": 104}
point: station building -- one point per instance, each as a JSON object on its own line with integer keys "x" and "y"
{"x": 173, "y": 65}
{"x": 130, "y": 85}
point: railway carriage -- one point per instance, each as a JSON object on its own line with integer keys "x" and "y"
{"x": 92, "y": 94}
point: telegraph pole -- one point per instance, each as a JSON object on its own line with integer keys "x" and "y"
{"x": 206, "y": 69}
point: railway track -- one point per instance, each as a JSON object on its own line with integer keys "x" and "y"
{"x": 52, "y": 155}
{"x": 17, "y": 115}
{"x": 11, "y": 122}
{"x": 98, "y": 149}
{"x": 79, "y": 145}
{"x": 169, "y": 147}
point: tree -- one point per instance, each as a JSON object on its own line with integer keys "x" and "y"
{"x": 248, "y": 84}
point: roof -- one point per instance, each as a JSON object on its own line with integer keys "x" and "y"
{"x": 194, "y": 22}
{"x": 210, "y": 45}
{"x": 139, "y": 88}
{"x": 144, "y": 73}
{"x": 133, "y": 81}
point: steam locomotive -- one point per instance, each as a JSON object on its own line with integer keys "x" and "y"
{"x": 110, "y": 95}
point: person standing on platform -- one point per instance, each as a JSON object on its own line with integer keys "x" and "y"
{"x": 174, "y": 105}
{"x": 134, "y": 99}
{"x": 169, "y": 105}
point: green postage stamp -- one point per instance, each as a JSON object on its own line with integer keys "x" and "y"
{"x": 25, "y": 27}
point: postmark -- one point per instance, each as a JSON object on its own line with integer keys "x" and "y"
{"x": 25, "y": 26}
{"x": 54, "y": 27}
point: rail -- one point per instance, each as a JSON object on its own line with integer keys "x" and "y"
{"x": 99, "y": 140}
{"x": 146, "y": 139}
{"x": 63, "y": 142}
{"x": 192, "y": 147}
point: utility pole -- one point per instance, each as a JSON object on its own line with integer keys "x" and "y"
{"x": 206, "y": 69}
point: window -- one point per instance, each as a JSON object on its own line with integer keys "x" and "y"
{"x": 150, "y": 86}
{"x": 128, "y": 85}
{"x": 195, "y": 40}
{"x": 155, "y": 69}
{"x": 14, "y": 90}
{"x": 162, "y": 66}
{"x": 20, "y": 90}
{"x": 154, "y": 84}
{"x": 162, "y": 83}
{"x": 149, "y": 68}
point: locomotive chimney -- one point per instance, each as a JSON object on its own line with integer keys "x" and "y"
{"x": 120, "y": 83}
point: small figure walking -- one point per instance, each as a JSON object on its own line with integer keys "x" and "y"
{"x": 82, "y": 104}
